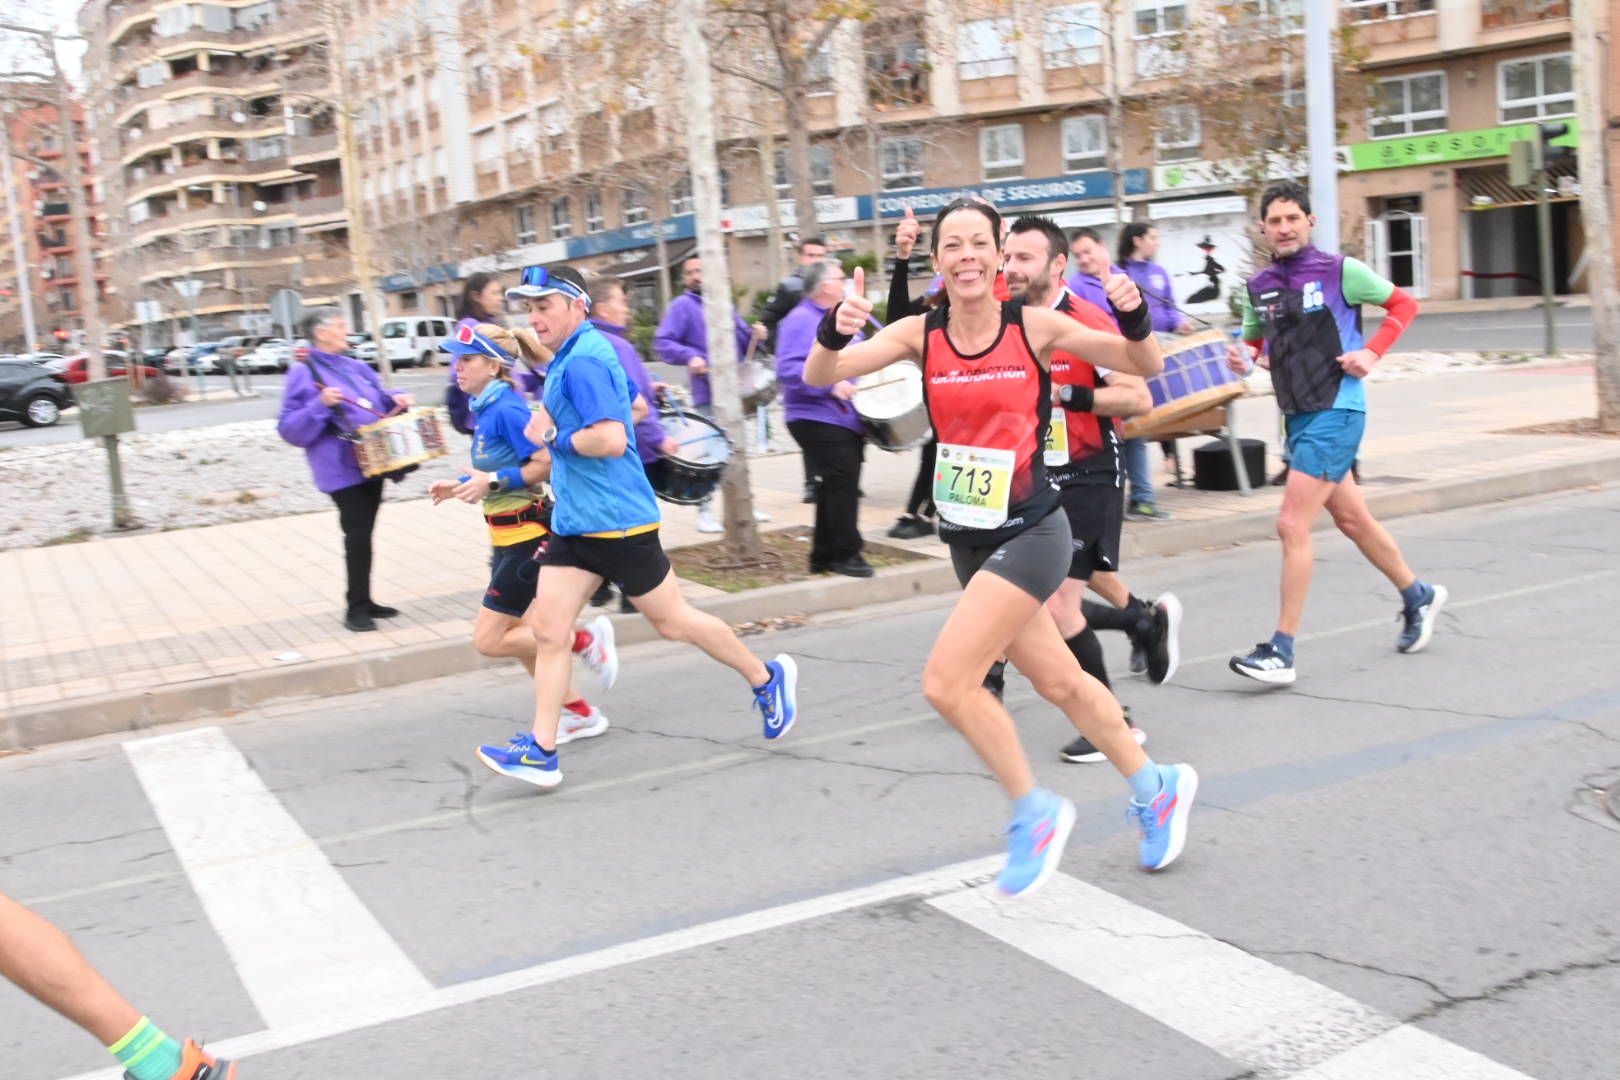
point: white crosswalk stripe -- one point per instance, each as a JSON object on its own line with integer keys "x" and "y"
{"x": 302, "y": 942}
{"x": 1262, "y": 1016}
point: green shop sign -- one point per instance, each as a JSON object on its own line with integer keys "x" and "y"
{"x": 1442, "y": 147}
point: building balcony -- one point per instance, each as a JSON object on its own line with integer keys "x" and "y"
{"x": 126, "y": 97}
{"x": 1495, "y": 14}
{"x": 316, "y": 147}
{"x": 55, "y": 212}
{"x": 154, "y": 139}
{"x": 898, "y": 88}
{"x": 321, "y": 206}
{"x": 210, "y": 170}
{"x": 133, "y": 53}
{"x": 193, "y": 217}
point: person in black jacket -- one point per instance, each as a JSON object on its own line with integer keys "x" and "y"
{"x": 918, "y": 520}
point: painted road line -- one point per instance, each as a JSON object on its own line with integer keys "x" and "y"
{"x": 301, "y": 941}
{"x": 1263, "y": 1017}
{"x": 359, "y": 1013}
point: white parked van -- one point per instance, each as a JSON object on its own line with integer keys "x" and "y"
{"x": 414, "y": 340}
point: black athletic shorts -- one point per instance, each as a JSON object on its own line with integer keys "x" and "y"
{"x": 513, "y": 574}
{"x": 636, "y": 564}
{"x": 1096, "y": 515}
{"x": 1034, "y": 560}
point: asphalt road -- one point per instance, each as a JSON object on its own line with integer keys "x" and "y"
{"x": 1494, "y": 331}
{"x": 1397, "y": 868}
{"x": 428, "y": 384}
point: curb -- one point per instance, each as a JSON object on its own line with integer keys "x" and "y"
{"x": 223, "y": 696}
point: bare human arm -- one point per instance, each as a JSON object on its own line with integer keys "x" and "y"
{"x": 900, "y": 340}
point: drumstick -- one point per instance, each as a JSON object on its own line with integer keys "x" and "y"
{"x": 748, "y": 354}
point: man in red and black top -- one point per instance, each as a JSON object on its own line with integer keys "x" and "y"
{"x": 1083, "y": 457}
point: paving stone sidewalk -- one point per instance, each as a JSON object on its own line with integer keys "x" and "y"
{"x": 133, "y": 613}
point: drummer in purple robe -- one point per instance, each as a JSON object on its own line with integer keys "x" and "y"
{"x": 823, "y": 422}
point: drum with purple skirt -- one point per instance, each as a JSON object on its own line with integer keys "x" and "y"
{"x": 1195, "y": 380}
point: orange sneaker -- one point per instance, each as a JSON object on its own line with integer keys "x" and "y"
{"x": 196, "y": 1065}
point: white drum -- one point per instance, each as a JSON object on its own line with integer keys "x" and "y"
{"x": 890, "y": 405}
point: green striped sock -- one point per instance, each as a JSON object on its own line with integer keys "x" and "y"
{"x": 146, "y": 1053}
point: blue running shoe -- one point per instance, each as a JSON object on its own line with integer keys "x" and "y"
{"x": 1264, "y": 664}
{"x": 778, "y": 700}
{"x": 522, "y": 759}
{"x": 1420, "y": 620}
{"x": 1035, "y": 845}
{"x": 1164, "y": 820}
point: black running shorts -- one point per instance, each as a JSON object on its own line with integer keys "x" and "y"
{"x": 1036, "y": 560}
{"x": 636, "y": 564}
{"x": 1096, "y": 514}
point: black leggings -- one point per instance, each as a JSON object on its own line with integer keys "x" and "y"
{"x": 921, "y": 502}
{"x": 834, "y": 454}
{"x": 357, "y": 514}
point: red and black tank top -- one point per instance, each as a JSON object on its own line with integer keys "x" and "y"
{"x": 990, "y": 412}
{"x": 1093, "y": 450}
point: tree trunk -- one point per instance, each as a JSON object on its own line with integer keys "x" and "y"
{"x": 1596, "y": 212}
{"x": 800, "y": 183}
{"x": 1116, "y": 115}
{"x": 742, "y": 536}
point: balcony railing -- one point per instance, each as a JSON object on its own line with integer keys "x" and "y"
{"x": 126, "y": 96}
{"x": 1385, "y": 10}
{"x": 1499, "y": 13}
{"x": 325, "y": 142}
{"x": 900, "y": 86}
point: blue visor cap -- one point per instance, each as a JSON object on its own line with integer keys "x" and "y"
{"x": 467, "y": 339}
{"x": 538, "y": 281}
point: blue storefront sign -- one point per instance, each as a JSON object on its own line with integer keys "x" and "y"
{"x": 437, "y": 274}
{"x": 1078, "y": 187}
{"x": 683, "y": 227}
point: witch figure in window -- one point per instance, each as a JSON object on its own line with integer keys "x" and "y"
{"x": 1212, "y": 270}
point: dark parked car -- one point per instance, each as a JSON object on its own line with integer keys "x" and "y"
{"x": 30, "y": 393}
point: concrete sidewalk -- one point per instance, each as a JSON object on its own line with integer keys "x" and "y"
{"x": 120, "y": 633}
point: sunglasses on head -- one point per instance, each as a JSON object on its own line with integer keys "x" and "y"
{"x": 537, "y": 276}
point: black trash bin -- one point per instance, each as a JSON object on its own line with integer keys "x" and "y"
{"x": 1212, "y": 465}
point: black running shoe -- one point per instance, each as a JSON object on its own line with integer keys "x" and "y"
{"x": 1081, "y": 752}
{"x": 1164, "y": 651}
{"x": 911, "y": 527}
{"x": 995, "y": 680}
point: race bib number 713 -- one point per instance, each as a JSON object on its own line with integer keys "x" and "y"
{"x": 972, "y": 485}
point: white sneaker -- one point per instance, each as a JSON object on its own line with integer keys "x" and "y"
{"x": 707, "y": 522}
{"x": 600, "y": 655}
{"x": 571, "y": 725}
{"x": 762, "y": 516}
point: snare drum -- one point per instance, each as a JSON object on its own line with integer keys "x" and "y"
{"x": 693, "y": 471}
{"x": 1195, "y": 380}
{"x": 397, "y": 442}
{"x": 890, "y": 405}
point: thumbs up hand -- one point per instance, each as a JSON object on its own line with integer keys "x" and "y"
{"x": 854, "y": 311}
{"x": 906, "y": 234}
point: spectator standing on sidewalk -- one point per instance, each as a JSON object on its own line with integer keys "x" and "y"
{"x": 824, "y": 424}
{"x": 918, "y": 518}
{"x": 330, "y": 395}
{"x": 682, "y": 340}
{"x": 789, "y": 291}
{"x": 482, "y": 301}
{"x": 1138, "y": 246}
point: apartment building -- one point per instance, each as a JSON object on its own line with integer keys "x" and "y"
{"x": 218, "y": 126}
{"x": 499, "y": 140}
{"x": 44, "y": 228}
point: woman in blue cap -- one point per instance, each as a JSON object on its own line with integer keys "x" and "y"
{"x": 506, "y": 471}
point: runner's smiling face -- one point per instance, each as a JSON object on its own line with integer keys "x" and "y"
{"x": 555, "y": 316}
{"x": 1033, "y": 274}
{"x": 966, "y": 250}
{"x": 1287, "y": 227}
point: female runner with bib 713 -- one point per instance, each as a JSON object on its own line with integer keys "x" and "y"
{"x": 987, "y": 385}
